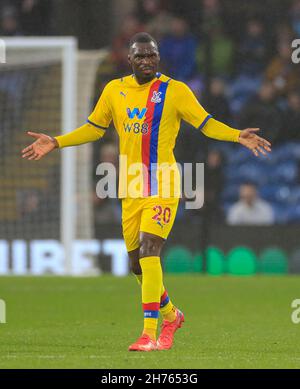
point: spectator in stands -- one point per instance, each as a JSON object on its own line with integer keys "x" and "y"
{"x": 283, "y": 33}
{"x": 250, "y": 209}
{"x": 9, "y": 22}
{"x": 222, "y": 51}
{"x": 211, "y": 192}
{"x": 35, "y": 16}
{"x": 215, "y": 102}
{"x": 213, "y": 185}
{"x": 242, "y": 89}
{"x": 25, "y": 17}
{"x": 156, "y": 19}
{"x": 119, "y": 52}
{"x": 252, "y": 51}
{"x": 116, "y": 61}
{"x": 291, "y": 128}
{"x": 190, "y": 147}
{"x": 262, "y": 112}
{"x": 178, "y": 51}
{"x": 294, "y": 15}
{"x": 252, "y": 56}
{"x": 281, "y": 71}
{"x": 211, "y": 15}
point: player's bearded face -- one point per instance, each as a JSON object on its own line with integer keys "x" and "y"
{"x": 144, "y": 59}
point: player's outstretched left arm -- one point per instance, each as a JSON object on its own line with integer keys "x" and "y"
{"x": 253, "y": 142}
{"x": 248, "y": 137}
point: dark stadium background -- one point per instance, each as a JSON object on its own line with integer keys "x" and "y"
{"x": 236, "y": 56}
{"x": 67, "y": 297}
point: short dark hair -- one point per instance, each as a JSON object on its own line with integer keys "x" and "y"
{"x": 142, "y": 37}
{"x": 249, "y": 183}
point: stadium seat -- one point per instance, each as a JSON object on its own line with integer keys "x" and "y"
{"x": 273, "y": 261}
{"x": 231, "y": 193}
{"x": 276, "y": 193}
{"x": 281, "y": 213}
{"x": 252, "y": 171}
{"x": 286, "y": 152}
{"x": 276, "y": 177}
{"x": 226, "y": 206}
{"x": 241, "y": 261}
{"x": 286, "y": 213}
{"x": 225, "y": 148}
{"x": 241, "y": 90}
{"x": 281, "y": 154}
{"x": 293, "y": 214}
{"x": 239, "y": 156}
{"x": 296, "y": 151}
{"x": 285, "y": 173}
{"x": 295, "y": 195}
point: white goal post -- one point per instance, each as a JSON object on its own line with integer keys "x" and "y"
{"x": 66, "y": 47}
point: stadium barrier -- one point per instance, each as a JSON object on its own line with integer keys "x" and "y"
{"x": 229, "y": 250}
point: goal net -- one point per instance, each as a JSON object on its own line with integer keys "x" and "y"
{"x": 43, "y": 201}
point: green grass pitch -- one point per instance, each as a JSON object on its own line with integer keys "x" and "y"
{"x": 231, "y": 322}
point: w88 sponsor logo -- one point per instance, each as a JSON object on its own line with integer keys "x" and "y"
{"x": 136, "y": 127}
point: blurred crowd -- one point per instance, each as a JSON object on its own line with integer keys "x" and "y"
{"x": 235, "y": 56}
{"x": 25, "y": 17}
{"x": 243, "y": 76}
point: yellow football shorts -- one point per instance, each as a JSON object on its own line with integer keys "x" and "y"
{"x": 149, "y": 214}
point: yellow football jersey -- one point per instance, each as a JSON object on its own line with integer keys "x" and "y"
{"x": 147, "y": 118}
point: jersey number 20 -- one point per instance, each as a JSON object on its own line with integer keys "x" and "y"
{"x": 161, "y": 214}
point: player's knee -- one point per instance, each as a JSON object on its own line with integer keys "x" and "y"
{"x": 149, "y": 247}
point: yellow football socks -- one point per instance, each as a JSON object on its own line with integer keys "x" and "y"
{"x": 151, "y": 293}
{"x": 167, "y": 308}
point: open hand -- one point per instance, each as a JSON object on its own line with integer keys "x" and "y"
{"x": 253, "y": 142}
{"x": 43, "y": 145}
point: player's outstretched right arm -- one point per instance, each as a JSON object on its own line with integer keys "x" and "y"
{"x": 44, "y": 144}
